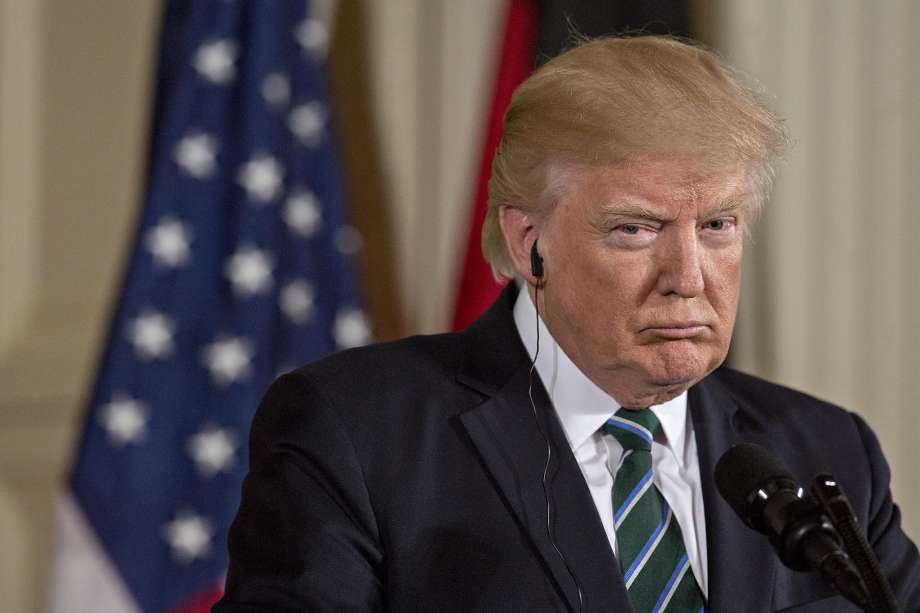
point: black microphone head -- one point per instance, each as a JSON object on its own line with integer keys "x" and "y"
{"x": 742, "y": 470}
{"x": 760, "y": 489}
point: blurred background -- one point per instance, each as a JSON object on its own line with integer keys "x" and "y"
{"x": 91, "y": 89}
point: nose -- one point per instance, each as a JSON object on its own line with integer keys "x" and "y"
{"x": 680, "y": 267}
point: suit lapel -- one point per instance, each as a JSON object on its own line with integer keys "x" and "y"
{"x": 507, "y": 435}
{"x": 742, "y": 566}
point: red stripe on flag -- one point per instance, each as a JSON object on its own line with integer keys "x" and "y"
{"x": 203, "y": 602}
{"x": 478, "y": 289}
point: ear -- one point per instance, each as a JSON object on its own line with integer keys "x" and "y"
{"x": 520, "y": 232}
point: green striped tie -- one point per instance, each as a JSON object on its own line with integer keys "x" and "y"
{"x": 651, "y": 549}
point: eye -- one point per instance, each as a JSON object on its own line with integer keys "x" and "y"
{"x": 719, "y": 225}
{"x": 633, "y": 235}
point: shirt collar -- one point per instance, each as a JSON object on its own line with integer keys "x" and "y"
{"x": 581, "y": 405}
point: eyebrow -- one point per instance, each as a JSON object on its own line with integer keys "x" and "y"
{"x": 730, "y": 204}
{"x": 628, "y": 209}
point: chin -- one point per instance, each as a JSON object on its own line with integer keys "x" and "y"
{"x": 652, "y": 396}
{"x": 661, "y": 373}
{"x": 681, "y": 363}
{"x": 664, "y": 383}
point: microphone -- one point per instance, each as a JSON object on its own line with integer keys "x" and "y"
{"x": 760, "y": 489}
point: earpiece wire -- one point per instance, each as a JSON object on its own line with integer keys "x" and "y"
{"x": 549, "y": 454}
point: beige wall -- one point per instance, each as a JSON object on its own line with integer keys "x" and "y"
{"x": 74, "y": 79}
{"x": 830, "y": 281}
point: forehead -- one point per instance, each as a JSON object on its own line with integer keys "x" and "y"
{"x": 665, "y": 185}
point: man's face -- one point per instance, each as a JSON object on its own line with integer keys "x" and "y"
{"x": 643, "y": 267}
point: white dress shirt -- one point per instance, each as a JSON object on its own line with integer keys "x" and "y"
{"x": 583, "y": 408}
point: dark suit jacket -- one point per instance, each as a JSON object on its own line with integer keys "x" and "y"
{"x": 407, "y": 477}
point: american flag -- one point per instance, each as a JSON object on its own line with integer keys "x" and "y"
{"x": 241, "y": 269}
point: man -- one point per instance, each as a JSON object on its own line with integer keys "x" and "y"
{"x": 517, "y": 466}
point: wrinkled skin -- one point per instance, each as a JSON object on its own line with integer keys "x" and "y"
{"x": 642, "y": 272}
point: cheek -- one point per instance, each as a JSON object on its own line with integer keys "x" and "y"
{"x": 724, "y": 289}
{"x": 612, "y": 301}
{"x": 593, "y": 294}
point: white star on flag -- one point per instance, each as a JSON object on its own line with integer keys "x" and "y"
{"x": 302, "y": 213}
{"x": 196, "y": 154}
{"x": 313, "y": 36}
{"x": 276, "y": 89}
{"x": 228, "y": 359}
{"x": 214, "y": 61}
{"x": 261, "y": 178}
{"x": 213, "y": 450}
{"x": 168, "y": 242}
{"x": 296, "y": 300}
{"x": 151, "y": 333}
{"x": 124, "y": 419}
{"x": 189, "y": 536}
{"x": 250, "y": 271}
{"x": 307, "y": 122}
{"x": 351, "y": 328}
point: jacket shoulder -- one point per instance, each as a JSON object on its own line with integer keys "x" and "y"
{"x": 759, "y": 396}
{"x": 380, "y": 363}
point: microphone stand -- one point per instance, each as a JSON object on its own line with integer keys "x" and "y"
{"x": 837, "y": 507}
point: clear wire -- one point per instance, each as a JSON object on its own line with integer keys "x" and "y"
{"x": 549, "y": 454}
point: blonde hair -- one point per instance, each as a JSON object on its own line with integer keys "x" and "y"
{"x": 615, "y": 99}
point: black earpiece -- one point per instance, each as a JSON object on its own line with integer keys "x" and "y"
{"x": 536, "y": 262}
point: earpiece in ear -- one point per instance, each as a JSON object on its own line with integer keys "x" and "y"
{"x": 536, "y": 262}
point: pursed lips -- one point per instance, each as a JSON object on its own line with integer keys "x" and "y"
{"x": 677, "y": 329}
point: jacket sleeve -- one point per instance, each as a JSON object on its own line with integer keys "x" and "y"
{"x": 897, "y": 554}
{"x": 304, "y": 538}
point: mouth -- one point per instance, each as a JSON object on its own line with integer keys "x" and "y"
{"x": 677, "y": 330}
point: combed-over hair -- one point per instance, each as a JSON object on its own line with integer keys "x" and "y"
{"x": 614, "y": 99}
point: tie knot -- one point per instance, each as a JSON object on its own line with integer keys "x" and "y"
{"x": 633, "y": 429}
